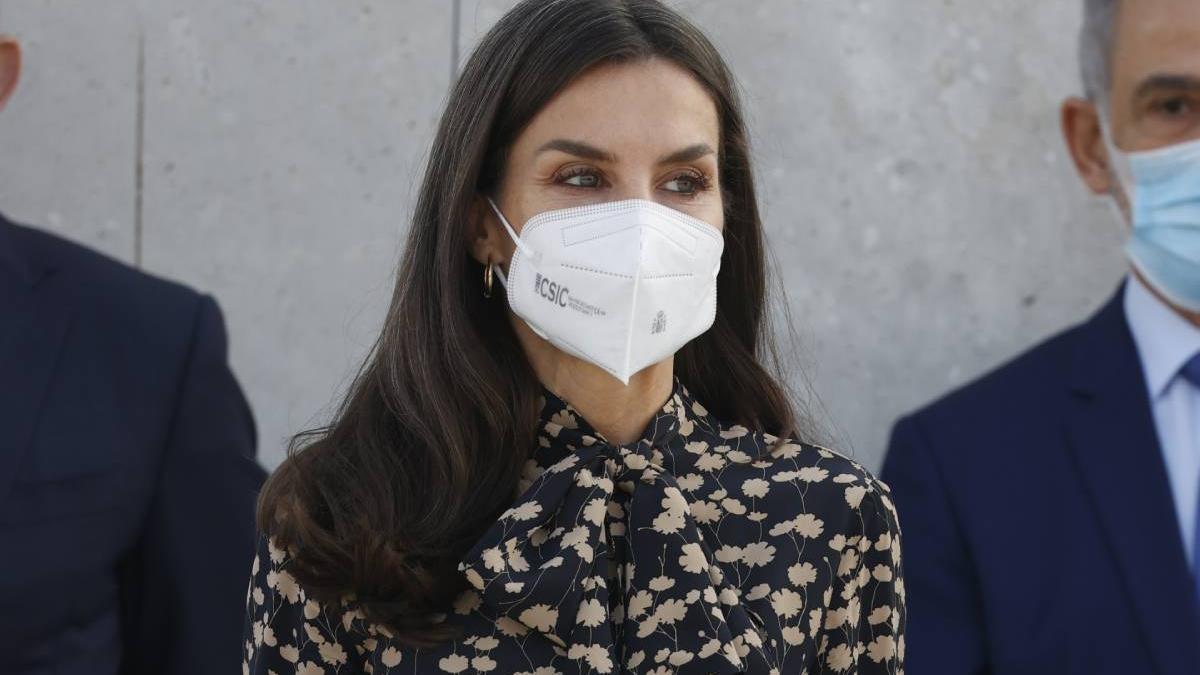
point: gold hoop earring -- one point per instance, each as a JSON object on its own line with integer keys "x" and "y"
{"x": 487, "y": 280}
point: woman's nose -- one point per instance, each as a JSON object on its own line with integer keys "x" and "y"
{"x": 640, "y": 187}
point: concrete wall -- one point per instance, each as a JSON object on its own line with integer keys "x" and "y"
{"x": 925, "y": 220}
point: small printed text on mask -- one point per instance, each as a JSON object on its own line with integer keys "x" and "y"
{"x": 557, "y": 294}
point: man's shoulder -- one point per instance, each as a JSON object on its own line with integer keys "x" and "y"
{"x": 103, "y": 282}
{"x": 1016, "y": 398}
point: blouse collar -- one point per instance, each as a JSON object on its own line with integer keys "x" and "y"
{"x": 565, "y": 427}
{"x": 543, "y": 566}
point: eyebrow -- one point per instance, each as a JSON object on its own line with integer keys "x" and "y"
{"x": 587, "y": 151}
{"x": 688, "y": 154}
{"x": 579, "y": 149}
{"x": 1167, "y": 82}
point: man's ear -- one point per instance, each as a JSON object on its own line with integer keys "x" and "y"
{"x": 1082, "y": 133}
{"x": 10, "y": 67}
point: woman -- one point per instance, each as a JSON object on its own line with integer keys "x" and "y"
{"x": 589, "y": 471}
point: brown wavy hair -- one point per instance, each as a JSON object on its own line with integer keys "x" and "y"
{"x": 427, "y": 448}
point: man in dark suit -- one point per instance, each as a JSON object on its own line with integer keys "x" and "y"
{"x": 127, "y": 471}
{"x": 1050, "y": 508}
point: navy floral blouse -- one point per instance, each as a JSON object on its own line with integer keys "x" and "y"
{"x": 704, "y": 548}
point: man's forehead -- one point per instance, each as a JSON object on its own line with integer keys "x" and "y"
{"x": 1158, "y": 38}
{"x": 1142, "y": 23}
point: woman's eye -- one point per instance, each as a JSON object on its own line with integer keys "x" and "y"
{"x": 685, "y": 184}
{"x": 582, "y": 180}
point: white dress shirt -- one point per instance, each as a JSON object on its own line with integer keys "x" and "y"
{"x": 1165, "y": 342}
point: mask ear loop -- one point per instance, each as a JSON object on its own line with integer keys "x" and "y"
{"x": 1119, "y": 165}
{"x": 1122, "y": 168}
{"x": 521, "y": 246}
{"x": 500, "y": 275}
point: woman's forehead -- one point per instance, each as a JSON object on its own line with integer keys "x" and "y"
{"x": 639, "y": 107}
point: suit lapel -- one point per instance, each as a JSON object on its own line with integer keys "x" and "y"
{"x": 33, "y": 325}
{"x": 1116, "y": 451}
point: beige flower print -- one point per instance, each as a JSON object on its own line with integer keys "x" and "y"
{"x": 706, "y": 548}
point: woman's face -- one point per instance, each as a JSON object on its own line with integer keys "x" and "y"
{"x": 639, "y": 130}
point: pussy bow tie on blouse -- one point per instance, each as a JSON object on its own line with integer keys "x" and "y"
{"x": 545, "y": 563}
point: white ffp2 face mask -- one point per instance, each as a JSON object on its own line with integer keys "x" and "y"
{"x": 622, "y": 285}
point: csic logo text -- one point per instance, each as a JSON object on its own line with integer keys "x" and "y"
{"x": 551, "y": 290}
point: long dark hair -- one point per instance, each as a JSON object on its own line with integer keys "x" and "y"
{"x": 429, "y": 444}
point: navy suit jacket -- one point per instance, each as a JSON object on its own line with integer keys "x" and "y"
{"x": 127, "y": 471}
{"x": 1039, "y": 531}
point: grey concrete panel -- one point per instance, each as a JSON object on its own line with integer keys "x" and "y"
{"x": 284, "y": 143}
{"x": 920, "y": 202}
{"x": 920, "y": 206}
{"x": 68, "y": 135}
{"x": 475, "y": 17}
{"x": 926, "y": 222}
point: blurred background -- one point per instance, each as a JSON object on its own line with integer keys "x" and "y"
{"x": 923, "y": 214}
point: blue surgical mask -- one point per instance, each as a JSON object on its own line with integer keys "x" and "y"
{"x": 1162, "y": 188}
